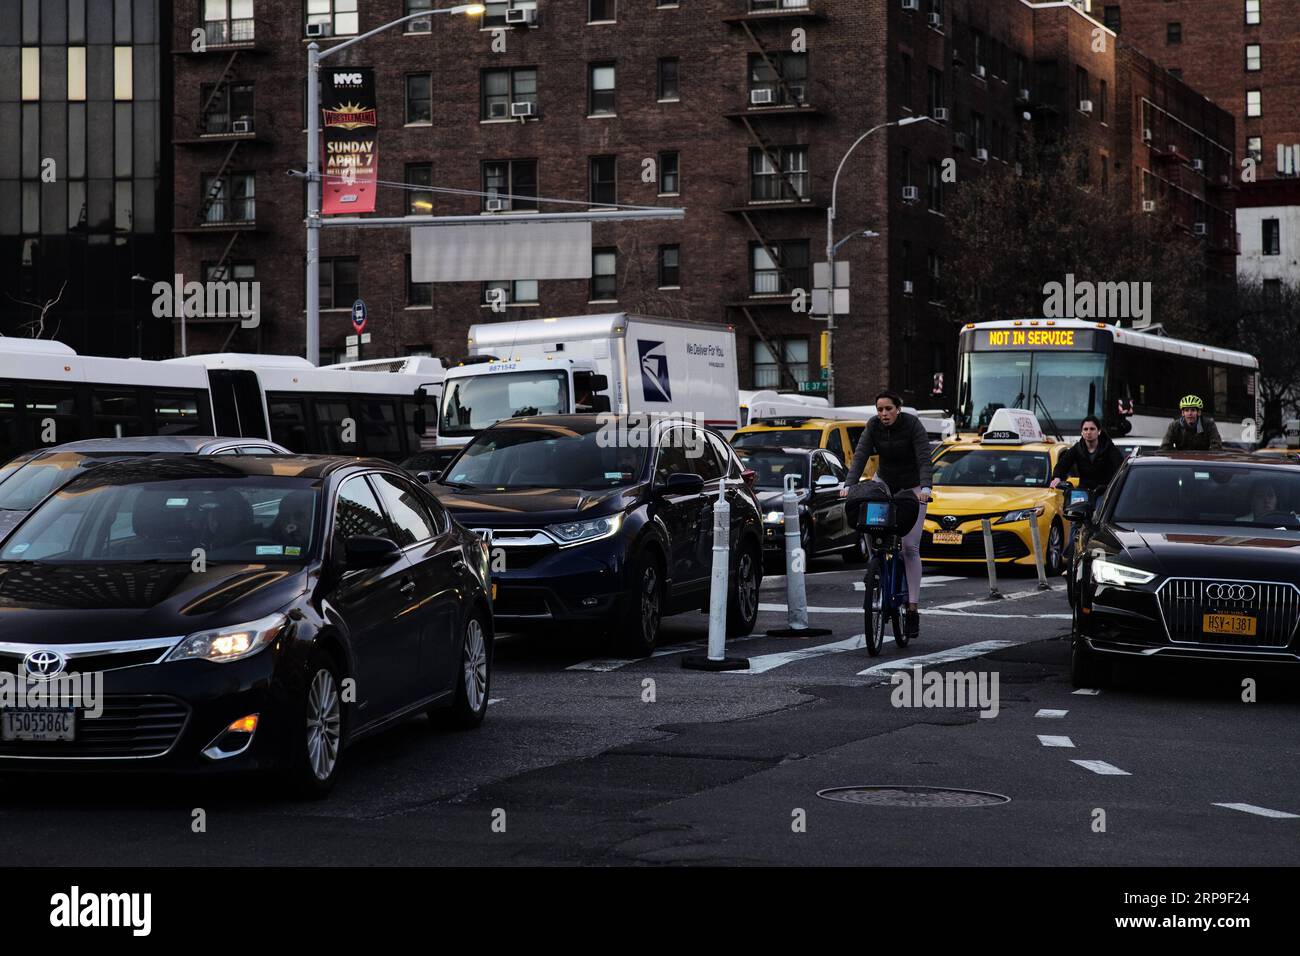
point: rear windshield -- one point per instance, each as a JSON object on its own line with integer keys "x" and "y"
{"x": 1203, "y": 493}
{"x": 788, "y": 438}
{"x": 27, "y": 485}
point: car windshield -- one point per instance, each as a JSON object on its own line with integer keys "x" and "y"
{"x": 27, "y": 485}
{"x": 1211, "y": 494}
{"x": 477, "y": 402}
{"x": 771, "y": 467}
{"x": 1016, "y": 469}
{"x": 789, "y": 438}
{"x": 547, "y": 458}
{"x": 244, "y": 520}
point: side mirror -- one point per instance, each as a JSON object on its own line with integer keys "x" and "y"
{"x": 425, "y": 477}
{"x": 368, "y": 551}
{"x": 1078, "y": 511}
{"x": 683, "y": 483}
{"x": 827, "y": 481}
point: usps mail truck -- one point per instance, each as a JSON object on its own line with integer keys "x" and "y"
{"x": 613, "y": 362}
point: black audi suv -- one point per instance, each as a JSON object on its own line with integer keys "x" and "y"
{"x": 1188, "y": 555}
{"x": 244, "y": 613}
{"x": 606, "y": 522}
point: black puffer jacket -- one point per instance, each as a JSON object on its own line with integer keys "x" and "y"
{"x": 904, "y": 450}
{"x": 1095, "y": 471}
{"x": 1203, "y": 437}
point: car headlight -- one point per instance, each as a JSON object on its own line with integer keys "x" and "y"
{"x": 579, "y": 532}
{"x": 225, "y": 644}
{"x": 1022, "y": 515}
{"x": 1108, "y": 572}
{"x": 774, "y": 517}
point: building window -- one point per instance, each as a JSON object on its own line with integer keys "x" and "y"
{"x": 339, "y": 283}
{"x": 778, "y": 269}
{"x": 227, "y": 108}
{"x": 500, "y": 88}
{"x": 1110, "y": 17}
{"x": 604, "y": 274}
{"x": 905, "y": 88}
{"x": 934, "y": 186}
{"x": 934, "y": 91}
{"x": 227, "y": 21}
{"x": 230, "y": 198}
{"x": 1255, "y": 148}
{"x": 510, "y": 292}
{"x": 977, "y": 51}
{"x": 670, "y": 181}
{"x": 76, "y": 74}
{"x": 418, "y": 294}
{"x": 229, "y": 271}
{"x": 123, "y": 78}
{"x": 495, "y": 15}
{"x": 1252, "y": 11}
{"x": 767, "y": 372}
{"x": 790, "y": 182}
{"x": 419, "y": 202}
{"x": 424, "y": 24}
{"x": 668, "y": 86}
{"x": 1083, "y": 87}
{"x": 600, "y": 89}
{"x": 1272, "y": 237}
{"x": 767, "y": 75}
{"x": 1173, "y": 32}
{"x": 601, "y": 11}
{"x": 419, "y": 98}
{"x": 335, "y": 17}
{"x": 933, "y": 270}
{"x": 1254, "y": 103}
{"x": 603, "y": 181}
{"x": 517, "y": 178}
{"x": 1253, "y": 57}
{"x": 905, "y": 262}
{"x": 977, "y": 131}
{"x": 670, "y": 271}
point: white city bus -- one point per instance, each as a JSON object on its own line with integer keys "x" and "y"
{"x": 49, "y": 395}
{"x": 1064, "y": 369}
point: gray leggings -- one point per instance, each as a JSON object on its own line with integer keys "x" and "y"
{"x": 912, "y": 554}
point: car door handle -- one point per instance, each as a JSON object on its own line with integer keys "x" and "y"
{"x": 407, "y": 587}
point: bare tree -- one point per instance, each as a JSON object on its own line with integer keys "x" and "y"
{"x": 37, "y": 326}
{"x": 1268, "y": 326}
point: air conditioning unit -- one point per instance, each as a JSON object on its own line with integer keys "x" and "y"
{"x": 523, "y": 109}
{"x": 1085, "y": 106}
{"x": 1198, "y": 165}
{"x": 420, "y": 26}
{"x": 907, "y": 287}
{"x": 935, "y": 20}
{"x": 982, "y": 155}
{"x": 498, "y": 110}
{"x": 320, "y": 30}
{"x": 1200, "y": 229}
{"x": 762, "y": 97}
{"x": 980, "y": 71}
{"x": 1148, "y": 205}
{"x": 959, "y": 140}
{"x": 1146, "y": 136}
{"x": 526, "y": 17}
{"x": 498, "y": 205}
{"x": 940, "y": 114}
{"x": 241, "y": 126}
{"x": 911, "y": 193}
{"x": 911, "y": 4}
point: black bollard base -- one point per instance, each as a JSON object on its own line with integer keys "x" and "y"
{"x": 799, "y": 632}
{"x": 994, "y": 596}
{"x": 698, "y": 663}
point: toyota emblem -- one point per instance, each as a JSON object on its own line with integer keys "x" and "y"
{"x": 1230, "y": 592}
{"x": 948, "y": 521}
{"x": 43, "y": 664}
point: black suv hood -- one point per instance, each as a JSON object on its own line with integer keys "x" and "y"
{"x": 1211, "y": 551}
{"x": 77, "y": 604}
{"x": 490, "y": 508}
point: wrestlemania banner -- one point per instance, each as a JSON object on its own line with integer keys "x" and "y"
{"x": 351, "y": 146}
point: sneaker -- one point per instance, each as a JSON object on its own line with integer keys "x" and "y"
{"x": 911, "y": 623}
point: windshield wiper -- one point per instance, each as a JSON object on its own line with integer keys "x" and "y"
{"x": 458, "y": 485}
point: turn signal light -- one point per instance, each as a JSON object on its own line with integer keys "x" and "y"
{"x": 244, "y": 725}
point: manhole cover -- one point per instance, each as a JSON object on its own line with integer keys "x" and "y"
{"x": 913, "y": 796}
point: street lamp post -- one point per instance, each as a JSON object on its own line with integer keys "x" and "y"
{"x": 831, "y": 246}
{"x": 314, "y": 55}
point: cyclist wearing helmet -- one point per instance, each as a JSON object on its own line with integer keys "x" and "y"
{"x": 1192, "y": 431}
{"x": 900, "y": 440}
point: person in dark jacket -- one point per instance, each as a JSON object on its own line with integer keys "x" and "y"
{"x": 1094, "y": 458}
{"x": 1192, "y": 431}
{"x": 900, "y": 441}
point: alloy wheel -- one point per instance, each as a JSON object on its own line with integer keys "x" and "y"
{"x": 324, "y": 724}
{"x": 476, "y": 664}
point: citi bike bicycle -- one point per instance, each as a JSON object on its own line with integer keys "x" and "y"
{"x": 885, "y": 519}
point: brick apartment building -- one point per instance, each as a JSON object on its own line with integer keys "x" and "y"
{"x": 745, "y": 127}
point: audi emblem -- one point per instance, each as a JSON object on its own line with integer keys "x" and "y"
{"x": 1231, "y": 592}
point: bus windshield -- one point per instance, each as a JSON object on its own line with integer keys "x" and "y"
{"x": 1065, "y": 384}
{"x": 477, "y": 402}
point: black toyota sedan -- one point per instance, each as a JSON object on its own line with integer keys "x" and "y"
{"x": 1188, "y": 555}
{"x": 246, "y": 613}
{"x": 606, "y": 523}
{"x": 818, "y": 476}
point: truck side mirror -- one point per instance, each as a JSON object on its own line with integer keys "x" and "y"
{"x": 599, "y": 403}
{"x": 590, "y": 382}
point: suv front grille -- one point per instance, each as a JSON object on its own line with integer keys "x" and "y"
{"x": 1275, "y": 606}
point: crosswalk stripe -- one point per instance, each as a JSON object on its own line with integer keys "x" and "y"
{"x": 924, "y": 612}
{"x": 938, "y": 657}
{"x": 1047, "y": 740}
{"x": 605, "y": 664}
{"x": 978, "y": 602}
{"x": 1100, "y": 766}
{"x": 1259, "y": 811}
{"x": 767, "y": 662}
{"x": 1051, "y": 713}
{"x": 1092, "y": 691}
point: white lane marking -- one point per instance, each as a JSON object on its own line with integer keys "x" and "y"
{"x": 604, "y": 664}
{"x": 495, "y": 700}
{"x": 1092, "y": 691}
{"x": 1259, "y": 811}
{"x": 766, "y": 662}
{"x": 1100, "y": 766}
{"x": 1051, "y": 713}
{"x": 938, "y": 657}
{"x": 1047, "y": 740}
{"x": 933, "y": 582}
{"x": 981, "y": 602}
{"x": 924, "y": 611}
{"x": 778, "y": 580}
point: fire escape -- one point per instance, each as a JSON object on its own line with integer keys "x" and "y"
{"x": 773, "y": 115}
{"x": 229, "y": 130}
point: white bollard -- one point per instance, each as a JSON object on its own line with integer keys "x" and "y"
{"x": 717, "y": 659}
{"x": 1038, "y": 554}
{"x": 796, "y": 595}
{"x": 994, "y": 593}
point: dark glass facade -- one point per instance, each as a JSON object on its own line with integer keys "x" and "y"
{"x": 85, "y": 171}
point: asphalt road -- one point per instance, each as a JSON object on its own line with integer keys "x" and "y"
{"x": 587, "y": 759}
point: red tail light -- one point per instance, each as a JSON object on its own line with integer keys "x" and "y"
{"x": 750, "y": 477}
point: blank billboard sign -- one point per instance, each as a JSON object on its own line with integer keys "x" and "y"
{"x": 493, "y": 252}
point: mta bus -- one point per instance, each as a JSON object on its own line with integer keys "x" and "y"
{"x": 50, "y": 395}
{"x": 1066, "y": 369}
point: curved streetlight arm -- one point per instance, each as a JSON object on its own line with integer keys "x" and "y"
{"x": 835, "y": 183}
{"x": 471, "y": 8}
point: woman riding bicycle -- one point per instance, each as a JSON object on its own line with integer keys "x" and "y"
{"x": 900, "y": 441}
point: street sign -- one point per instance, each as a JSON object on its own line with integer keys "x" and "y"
{"x": 354, "y": 339}
{"x": 812, "y": 386}
{"x": 359, "y": 315}
{"x": 825, "y": 374}
{"x": 841, "y": 301}
{"x": 841, "y": 275}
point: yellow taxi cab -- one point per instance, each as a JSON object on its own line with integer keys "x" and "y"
{"x": 838, "y": 436}
{"x": 1002, "y": 476}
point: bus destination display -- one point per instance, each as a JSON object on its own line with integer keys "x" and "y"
{"x": 992, "y": 340}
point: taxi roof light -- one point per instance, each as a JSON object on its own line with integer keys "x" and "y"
{"x": 1013, "y": 426}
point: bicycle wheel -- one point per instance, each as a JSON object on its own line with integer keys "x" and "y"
{"x": 898, "y": 592}
{"x": 873, "y": 617}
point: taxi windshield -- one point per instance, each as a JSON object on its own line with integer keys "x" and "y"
{"x": 990, "y": 468}
{"x": 785, "y": 438}
{"x": 1198, "y": 493}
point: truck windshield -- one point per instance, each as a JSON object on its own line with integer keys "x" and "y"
{"x": 476, "y": 402}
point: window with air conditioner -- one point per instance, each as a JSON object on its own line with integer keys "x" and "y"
{"x": 503, "y": 179}
{"x": 780, "y": 79}
{"x": 511, "y": 292}
{"x": 332, "y": 17}
{"x": 424, "y": 24}
{"x": 500, "y": 90}
{"x": 227, "y": 108}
